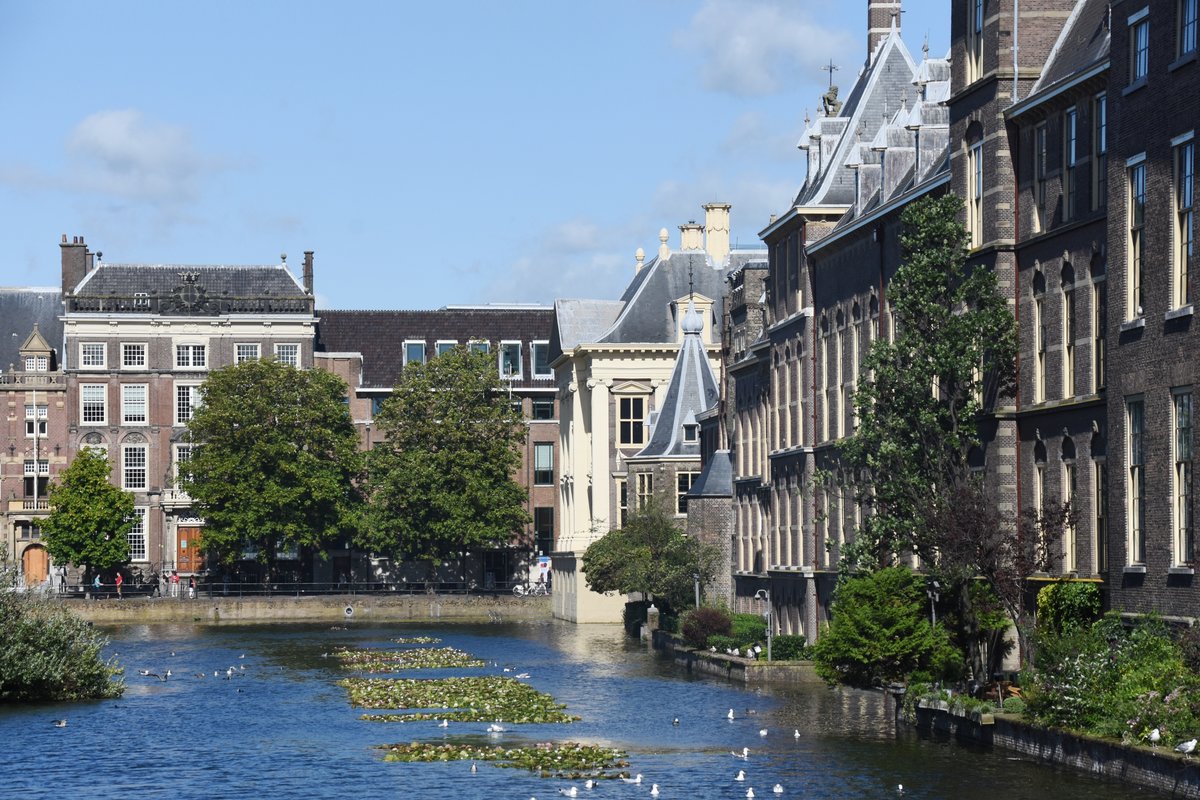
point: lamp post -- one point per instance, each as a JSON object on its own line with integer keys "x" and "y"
{"x": 765, "y": 596}
{"x": 933, "y": 591}
{"x": 696, "y": 580}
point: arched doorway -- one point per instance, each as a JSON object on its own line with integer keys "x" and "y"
{"x": 36, "y": 564}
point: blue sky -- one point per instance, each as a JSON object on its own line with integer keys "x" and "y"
{"x": 431, "y": 153}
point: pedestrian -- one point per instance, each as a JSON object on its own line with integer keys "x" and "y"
{"x": 174, "y": 583}
{"x": 192, "y": 588}
{"x": 120, "y": 581}
{"x": 96, "y": 585}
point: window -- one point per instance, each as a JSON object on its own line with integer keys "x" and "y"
{"x": 93, "y": 403}
{"x": 376, "y": 405}
{"x": 632, "y": 417}
{"x": 1068, "y": 334}
{"x": 683, "y": 485}
{"x": 1185, "y": 237}
{"x": 187, "y": 400}
{"x": 543, "y": 529}
{"x": 1135, "y": 245}
{"x": 510, "y": 359}
{"x": 543, "y": 464}
{"x": 1070, "y": 550}
{"x": 1182, "y": 447}
{"x": 37, "y": 477}
{"x": 288, "y": 354}
{"x": 133, "y": 355}
{"x": 975, "y": 193}
{"x": 1039, "y": 340}
{"x": 974, "y": 40}
{"x": 1039, "y": 177}
{"x": 622, "y": 502}
{"x": 190, "y": 356}
{"x": 91, "y": 355}
{"x": 1070, "y": 159}
{"x": 1099, "y": 315}
{"x": 645, "y": 488}
{"x": 1186, "y": 40}
{"x": 541, "y": 360}
{"x": 1100, "y": 496}
{"x": 543, "y": 408}
{"x": 37, "y": 363}
{"x": 133, "y": 404}
{"x": 137, "y": 536}
{"x": 1135, "y": 493}
{"x": 1099, "y": 152}
{"x": 133, "y": 466}
{"x": 183, "y": 455}
{"x": 40, "y": 467}
{"x": 1139, "y": 46}
{"x": 36, "y": 417}
{"x": 247, "y": 351}
{"x": 414, "y": 353}
{"x": 480, "y": 346}
{"x": 445, "y": 347}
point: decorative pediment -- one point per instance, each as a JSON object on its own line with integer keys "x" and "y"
{"x": 189, "y": 297}
{"x": 35, "y": 344}
{"x": 631, "y": 387}
{"x": 134, "y": 438}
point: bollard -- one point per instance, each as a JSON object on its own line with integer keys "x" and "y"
{"x": 651, "y": 624}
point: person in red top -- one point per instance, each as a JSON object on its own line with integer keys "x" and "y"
{"x": 120, "y": 581}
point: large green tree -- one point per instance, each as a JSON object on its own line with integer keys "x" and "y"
{"x": 89, "y": 517}
{"x": 442, "y": 482}
{"x": 650, "y": 555}
{"x": 275, "y": 462}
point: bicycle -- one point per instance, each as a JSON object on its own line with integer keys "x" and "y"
{"x": 531, "y": 589}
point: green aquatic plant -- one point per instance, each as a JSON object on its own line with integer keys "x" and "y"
{"x": 477, "y": 699}
{"x": 417, "y": 640}
{"x": 413, "y": 658}
{"x": 550, "y": 760}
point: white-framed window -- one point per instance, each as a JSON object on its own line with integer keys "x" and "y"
{"x": 1139, "y": 46}
{"x": 246, "y": 351}
{"x": 1070, "y": 492}
{"x": 137, "y": 535}
{"x": 1070, "y": 160}
{"x": 92, "y": 355}
{"x": 1135, "y": 493}
{"x": 975, "y": 193}
{"x": 134, "y": 403}
{"x": 510, "y": 360}
{"x": 36, "y": 419}
{"x": 1099, "y": 315}
{"x": 1041, "y": 222}
{"x": 134, "y": 466}
{"x": 1181, "y": 446}
{"x": 1135, "y": 246}
{"x": 288, "y": 353}
{"x": 1185, "y": 235}
{"x": 93, "y": 403}
{"x": 39, "y": 467}
{"x": 631, "y": 418}
{"x": 480, "y": 346}
{"x": 1100, "y": 510}
{"x": 1068, "y": 340}
{"x": 645, "y": 488}
{"x": 187, "y": 400}
{"x": 541, "y": 360}
{"x": 1099, "y": 151}
{"x": 622, "y": 501}
{"x": 190, "y": 356}
{"x": 133, "y": 355}
{"x": 683, "y": 485}
{"x": 183, "y": 455}
{"x": 543, "y": 464}
{"x": 414, "y": 352}
{"x": 37, "y": 363}
{"x": 1185, "y": 39}
{"x": 445, "y": 346}
{"x": 1039, "y": 343}
{"x": 974, "y": 40}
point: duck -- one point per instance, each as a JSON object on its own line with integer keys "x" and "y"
{"x": 654, "y": 790}
{"x": 741, "y": 776}
{"x": 60, "y": 723}
{"x": 589, "y": 784}
{"x": 750, "y": 793}
{"x": 729, "y": 716}
{"x": 675, "y": 721}
{"x": 570, "y": 792}
{"x": 493, "y": 728}
{"x": 796, "y": 733}
{"x": 473, "y": 767}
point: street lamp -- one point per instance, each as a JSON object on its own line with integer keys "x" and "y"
{"x": 765, "y": 596}
{"x": 696, "y": 580}
{"x": 933, "y": 591}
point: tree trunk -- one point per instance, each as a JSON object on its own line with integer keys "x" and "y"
{"x": 971, "y": 631}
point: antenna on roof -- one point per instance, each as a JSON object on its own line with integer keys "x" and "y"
{"x": 830, "y": 68}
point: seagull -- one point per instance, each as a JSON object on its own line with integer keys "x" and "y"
{"x": 778, "y": 788}
{"x": 729, "y": 716}
{"x": 762, "y": 732}
{"x": 899, "y": 788}
{"x": 1186, "y": 747}
{"x": 654, "y": 790}
{"x": 569, "y": 792}
{"x": 145, "y": 672}
{"x": 243, "y": 655}
{"x": 495, "y": 729}
{"x": 750, "y": 793}
{"x": 1155, "y": 737}
{"x": 168, "y": 675}
{"x": 522, "y": 676}
{"x": 60, "y": 723}
{"x": 745, "y": 754}
{"x": 216, "y": 672}
{"x": 444, "y": 723}
{"x": 589, "y": 784}
{"x": 675, "y": 721}
{"x": 636, "y": 779}
{"x": 741, "y": 776}
{"x": 796, "y": 733}
{"x": 473, "y": 767}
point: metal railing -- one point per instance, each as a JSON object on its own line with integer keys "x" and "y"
{"x": 207, "y": 589}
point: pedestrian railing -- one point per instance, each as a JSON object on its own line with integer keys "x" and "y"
{"x": 206, "y": 589}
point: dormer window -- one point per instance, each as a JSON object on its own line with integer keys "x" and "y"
{"x": 691, "y": 433}
{"x": 37, "y": 363}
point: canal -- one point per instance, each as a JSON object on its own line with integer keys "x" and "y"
{"x": 283, "y": 729}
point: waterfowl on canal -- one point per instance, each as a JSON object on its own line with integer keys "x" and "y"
{"x": 729, "y": 716}
{"x": 60, "y": 723}
{"x": 654, "y": 790}
{"x": 571, "y": 792}
{"x": 778, "y": 788}
{"x": 745, "y": 754}
{"x": 635, "y": 779}
{"x": 1186, "y": 747}
{"x": 741, "y": 776}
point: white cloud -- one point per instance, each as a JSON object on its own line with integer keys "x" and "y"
{"x": 123, "y": 154}
{"x": 762, "y": 47}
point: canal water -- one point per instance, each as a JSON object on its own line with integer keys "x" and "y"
{"x": 285, "y": 730}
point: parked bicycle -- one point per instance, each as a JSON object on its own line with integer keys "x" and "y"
{"x": 538, "y": 589}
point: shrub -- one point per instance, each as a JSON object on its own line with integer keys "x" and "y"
{"x": 1067, "y": 604}
{"x": 786, "y": 647}
{"x": 748, "y": 628}
{"x": 1014, "y": 705}
{"x": 700, "y": 623}
{"x": 722, "y": 643}
{"x": 669, "y": 623}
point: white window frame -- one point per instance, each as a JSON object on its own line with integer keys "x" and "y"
{"x": 1041, "y": 155}
{"x": 533, "y": 351}
{"x": 1187, "y": 25}
{"x": 36, "y": 420}
{"x": 1135, "y": 241}
{"x": 411, "y": 343}
{"x": 1135, "y": 482}
{"x": 191, "y": 363}
{"x": 1069, "y": 332}
{"x": 1099, "y": 151}
{"x": 102, "y": 390}
{"x": 540, "y": 448}
{"x": 974, "y": 60}
{"x": 637, "y": 425}
{"x": 974, "y": 193}
{"x": 177, "y": 457}
{"x": 506, "y": 344}
{"x": 1183, "y": 197}
{"x": 193, "y": 402}
{"x": 1070, "y": 178}
{"x": 645, "y": 489}
{"x": 1139, "y": 46}
{"x": 89, "y": 351}
{"x": 133, "y": 348}
{"x": 253, "y": 353}
{"x": 137, "y": 537}
{"x": 129, "y": 398}
{"x": 130, "y": 470}
{"x": 279, "y": 350}
{"x": 479, "y": 346}
{"x": 681, "y": 492}
{"x": 443, "y": 346}
{"x": 1182, "y": 479}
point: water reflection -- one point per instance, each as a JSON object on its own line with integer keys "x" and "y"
{"x": 277, "y": 724}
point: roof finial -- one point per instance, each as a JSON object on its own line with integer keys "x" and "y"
{"x": 830, "y": 68}
{"x": 691, "y": 291}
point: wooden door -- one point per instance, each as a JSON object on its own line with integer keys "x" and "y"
{"x": 189, "y": 558}
{"x": 36, "y": 562}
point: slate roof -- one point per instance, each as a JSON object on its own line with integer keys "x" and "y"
{"x": 717, "y": 478}
{"x": 21, "y": 309}
{"x": 1083, "y": 41}
{"x": 221, "y": 289}
{"x": 379, "y": 336}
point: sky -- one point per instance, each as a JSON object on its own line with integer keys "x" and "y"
{"x": 430, "y": 153}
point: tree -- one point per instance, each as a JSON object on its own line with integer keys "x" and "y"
{"x": 442, "y": 480}
{"x": 89, "y": 517}
{"x": 275, "y": 461}
{"x": 651, "y": 555}
{"x": 881, "y": 632}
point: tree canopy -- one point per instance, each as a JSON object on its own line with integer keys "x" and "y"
{"x": 442, "y": 480}
{"x": 275, "y": 462}
{"x": 650, "y": 555}
{"x": 89, "y": 517}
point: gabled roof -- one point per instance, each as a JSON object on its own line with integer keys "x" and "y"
{"x": 35, "y": 343}
{"x": 24, "y": 309}
{"x": 1083, "y": 41}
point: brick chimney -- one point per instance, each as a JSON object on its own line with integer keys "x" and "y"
{"x": 716, "y": 231}
{"x": 691, "y": 236}
{"x": 75, "y": 260}
{"x": 308, "y": 271}
{"x": 881, "y": 15}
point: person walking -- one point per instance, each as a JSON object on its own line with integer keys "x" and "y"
{"x": 192, "y": 588}
{"x": 120, "y": 582}
{"x": 96, "y": 585}
{"x": 174, "y": 583}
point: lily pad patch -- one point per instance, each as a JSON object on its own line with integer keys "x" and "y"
{"x": 548, "y": 759}
{"x": 412, "y": 658}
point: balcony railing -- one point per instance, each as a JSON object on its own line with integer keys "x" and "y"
{"x": 35, "y": 380}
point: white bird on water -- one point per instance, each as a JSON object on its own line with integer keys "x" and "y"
{"x": 745, "y": 754}
{"x": 762, "y": 732}
{"x": 589, "y": 784}
{"x": 750, "y": 793}
{"x": 778, "y": 788}
{"x": 729, "y": 716}
{"x": 571, "y": 792}
{"x": 1155, "y": 737}
{"x": 495, "y": 729}
{"x": 796, "y": 733}
{"x": 635, "y": 779}
{"x": 654, "y": 790}
{"x": 1186, "y": 747}
{"x": 444, "y": 723}
{"x": 473, "y": 767}
{"x": 741, "y": 776}
{"x": 60, "y": 723}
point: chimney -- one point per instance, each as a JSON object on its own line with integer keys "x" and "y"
{"x": 691, "y": 236}
{"x": 882, "y": 15}
{"x": 74, "y": 262}
{"x": 716, "y": 231}
{"x": 308, "y": 271}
